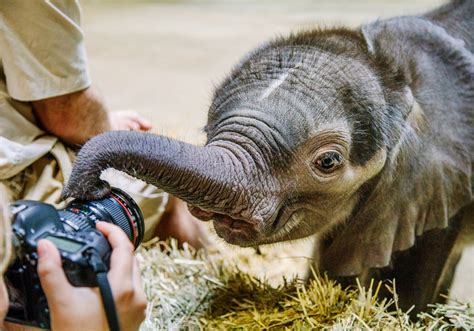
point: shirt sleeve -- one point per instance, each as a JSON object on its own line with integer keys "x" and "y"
{"x": 42, "y": 48}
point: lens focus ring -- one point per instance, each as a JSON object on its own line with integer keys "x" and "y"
{"x": 118, "y": 215}
{"x": 118, "y": 208}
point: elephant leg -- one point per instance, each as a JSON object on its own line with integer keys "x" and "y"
{"x": 425, "y": 272}
{"x": 422, "y": 273}
{"x": 320, "y": 246}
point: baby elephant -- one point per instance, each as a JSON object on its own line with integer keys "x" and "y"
{"x": 363, "y": 137}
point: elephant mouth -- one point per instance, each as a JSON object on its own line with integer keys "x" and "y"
{"x": 235, "y": 231}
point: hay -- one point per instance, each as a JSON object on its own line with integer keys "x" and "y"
{"x": 197, "y": 290}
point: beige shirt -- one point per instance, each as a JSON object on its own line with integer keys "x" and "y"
{"x": 42, "y": 55}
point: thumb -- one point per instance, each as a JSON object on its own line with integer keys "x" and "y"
{"x": 50, "y": 271}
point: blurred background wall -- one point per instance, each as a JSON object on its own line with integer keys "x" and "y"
{"x": 163, "y": 58}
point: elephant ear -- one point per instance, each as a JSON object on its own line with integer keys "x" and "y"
{"x": 427, "y": 176}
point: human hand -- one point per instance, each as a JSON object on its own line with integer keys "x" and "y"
{"x": 80, "y": 308}
{"x": 129, "y": 121}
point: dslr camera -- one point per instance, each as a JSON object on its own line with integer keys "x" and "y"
{"x": 72, "y": 230}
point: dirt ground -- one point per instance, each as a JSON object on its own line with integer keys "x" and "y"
{"x": 163, "y": 58}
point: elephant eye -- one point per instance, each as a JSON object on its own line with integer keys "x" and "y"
{"x": 329, "y": 161}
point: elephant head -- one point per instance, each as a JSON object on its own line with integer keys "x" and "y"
{"x": 363, "y": 137}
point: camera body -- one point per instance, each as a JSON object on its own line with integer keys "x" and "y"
{"x": 73, "y": 232}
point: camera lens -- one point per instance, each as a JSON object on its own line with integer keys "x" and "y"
{"x": 117, "y": 208}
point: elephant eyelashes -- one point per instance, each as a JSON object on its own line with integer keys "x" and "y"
{"x": 329, "y": 161}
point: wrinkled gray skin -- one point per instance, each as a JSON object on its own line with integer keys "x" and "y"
{"x": 392, "y": 102}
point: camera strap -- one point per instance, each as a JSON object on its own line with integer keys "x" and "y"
{"x": 108, "y": 302}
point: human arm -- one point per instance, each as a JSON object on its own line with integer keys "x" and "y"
{"x": 76, "y": 117}
{"x": 73, "y": 117}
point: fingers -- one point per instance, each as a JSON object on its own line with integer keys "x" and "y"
{"x": 134, "y": 126}
{"x": 50, "y": 271}
{"x": 130, "y": 120}
{"x": 121, "y": 263}
{"x": 137, "y": 123}
{"x": 145, "y": 125}
{"x": 115, "y": 235}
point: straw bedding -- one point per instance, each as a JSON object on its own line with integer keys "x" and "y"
{"x": 219, "y": 290}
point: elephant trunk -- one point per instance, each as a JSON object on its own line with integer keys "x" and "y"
{"x": 198, "y": 175}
